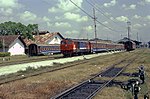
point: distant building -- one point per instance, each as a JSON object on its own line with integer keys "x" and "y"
{"x": 125, "y": 39}
{"x": 13, "y": 44}
{"x": 149, "y": 44}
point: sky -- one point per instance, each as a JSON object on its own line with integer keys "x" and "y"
{"x": 75, "y": 19}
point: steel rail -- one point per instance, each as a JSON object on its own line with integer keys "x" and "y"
{"x": 85, "y": 83}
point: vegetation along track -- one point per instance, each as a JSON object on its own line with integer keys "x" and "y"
{"x": 22, "y": 60}
{"x": 25, "y": 74}
{"x": 89, "y": 88}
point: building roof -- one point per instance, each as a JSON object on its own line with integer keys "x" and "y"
{"x": 42, "y": 38}
{"x": 9, "y": 39}
{"x": 125, "y": 39}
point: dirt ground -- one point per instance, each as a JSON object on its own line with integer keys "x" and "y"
{"x": 47, "y": 85}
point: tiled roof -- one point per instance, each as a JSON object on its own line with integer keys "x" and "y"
{"x": 41, "y": 39}
{"x": 8, "y": 39}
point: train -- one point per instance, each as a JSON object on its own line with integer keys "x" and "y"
{"x": 129, "y": 45}
{"x": 71, "y": 47}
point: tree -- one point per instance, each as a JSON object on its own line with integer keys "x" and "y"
{"x": 13, "y": 28}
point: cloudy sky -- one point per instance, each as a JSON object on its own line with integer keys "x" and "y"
{"x": 64, "y": 17}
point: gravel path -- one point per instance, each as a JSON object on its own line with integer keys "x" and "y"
{"x": 14, "y": 68}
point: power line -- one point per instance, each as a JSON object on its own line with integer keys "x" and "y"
{"x": 93, "y": 18}
{"x": 97, "y": 8}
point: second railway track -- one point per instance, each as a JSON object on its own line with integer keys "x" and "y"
{"x": 89, "y": 88}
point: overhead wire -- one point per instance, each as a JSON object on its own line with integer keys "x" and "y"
{"x": 93, "y": 18}
{"x": 98, "y": 9}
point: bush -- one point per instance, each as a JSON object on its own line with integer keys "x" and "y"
{"x": 3, "y": 54}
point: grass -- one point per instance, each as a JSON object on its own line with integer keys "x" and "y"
{"x": 49, "y": 84}
{"x": 24, "y": 58}
{"x": 142, "y": 60}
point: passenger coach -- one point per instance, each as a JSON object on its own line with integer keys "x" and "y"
{"x": 35, "y": 50}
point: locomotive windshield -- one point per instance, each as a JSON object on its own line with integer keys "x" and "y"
{"x": 66, "y": 42}
{"x": 63, "y": 42}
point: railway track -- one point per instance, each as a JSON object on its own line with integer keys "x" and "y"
{"x": 5, "y": 80}
{"x": 89, "y": 88}
{"x": 18, "y": 76}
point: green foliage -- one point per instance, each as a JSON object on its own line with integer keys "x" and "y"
{"x": 13, "y": 28}
{"x": 3, "y": 54}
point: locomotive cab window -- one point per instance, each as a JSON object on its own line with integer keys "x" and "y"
{"x": 63, "y": 42}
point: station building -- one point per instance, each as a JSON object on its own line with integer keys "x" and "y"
{"x": 16, "y": 45}
{"x": 13, "y": 44}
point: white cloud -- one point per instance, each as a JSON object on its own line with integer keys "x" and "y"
{"x": 105, "y": 22}
{"x": 75, "y": 17}
{"x": 57, "y": 17}
{"x": 122, "y": 19}
{"x": 130, "y": 7}
{"x": 9, "y": 3}
{"x": 147, "y": 1}
{"x": 7, "y": 7}
{"x": 148, "y": 17}
{"x": 144, "y": 24}
{"x": 73, "y": 32}
{"x": 136, "y": 16}
{"x": 137, "y": 25}
{"x": 108, "y": 14}
{"x": 111, "y": 3}
{"x": 88, "y": 28}
{"x": 112, "y": 18}
{"x": 66, "y": 5}
{"x": 124, "y": 6}
{"x": 28, "y": 16}
{"x": 6, "y": 11}
{"x": 62, "y": 24}
{"x": 53, "y": 9}
{"x": 46, "y": 19}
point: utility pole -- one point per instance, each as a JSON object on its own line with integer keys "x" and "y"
{"x": 137, "y": 36}
{"x": 94, "y": 18}
{"x": 94, "y": 23}
{"x": 129, "y": 24}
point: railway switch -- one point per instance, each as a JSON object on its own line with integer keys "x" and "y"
{"x": 135, "y": 89}
{"x": 141, "y": 69}
{"x": 142, "y": 74}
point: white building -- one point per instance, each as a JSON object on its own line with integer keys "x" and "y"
{"x": 13, "y": 44}
{"x": 44, "y": 42}
{"x": 45, "y": 38}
